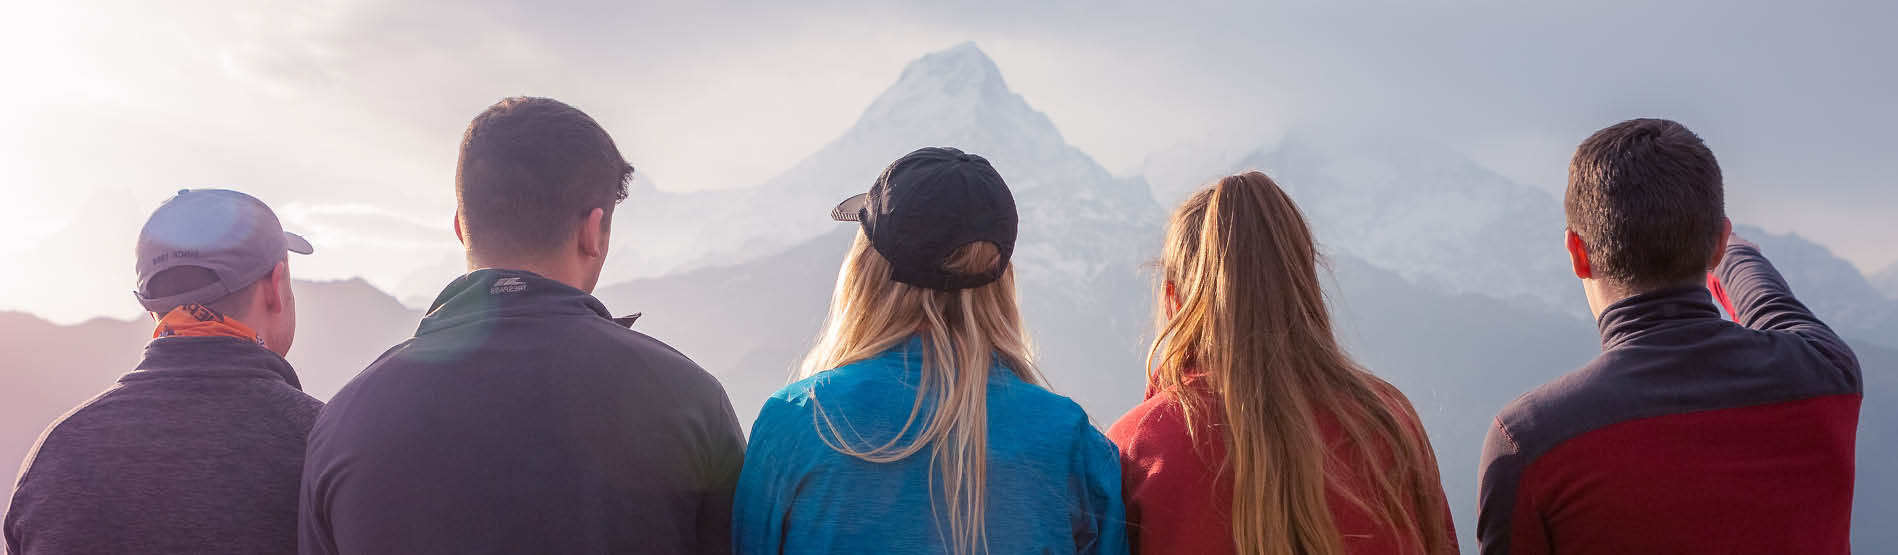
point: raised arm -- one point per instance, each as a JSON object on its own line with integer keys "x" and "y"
{"x": 1750, "y": 289}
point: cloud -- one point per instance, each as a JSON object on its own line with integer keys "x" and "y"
{"x": 359, "y": 225}
{"x": 351, "y": 109}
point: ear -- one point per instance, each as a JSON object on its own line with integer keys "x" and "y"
{"x": 1577, "y": 254}
{"x": 458, "y": 236}
{"x": 593, "y": 234}
{"x": 1172, "y": 298}
{"x": 1720, "y": 250}
{"x": 273, "y": 288}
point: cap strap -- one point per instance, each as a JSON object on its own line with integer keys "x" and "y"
{"x": 164, "y": 304}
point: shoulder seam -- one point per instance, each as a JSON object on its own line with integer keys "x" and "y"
{"x": 26, "y": 466}
{"x": 1504, "y": 429}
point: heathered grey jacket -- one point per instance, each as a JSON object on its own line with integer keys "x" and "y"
{"x": 197, "y": 451}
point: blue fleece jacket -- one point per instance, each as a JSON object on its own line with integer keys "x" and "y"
{"x": 1053, "y": 479}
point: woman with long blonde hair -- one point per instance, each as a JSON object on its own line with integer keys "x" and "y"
{"x": 920, "y": 424}
{"x": 1260, "y": 435}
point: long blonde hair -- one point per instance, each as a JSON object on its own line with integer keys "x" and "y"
{"x": 963, "y": 334}
{"x": 1251, "y": 321}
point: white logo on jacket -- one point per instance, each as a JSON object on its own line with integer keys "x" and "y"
{"x": 507, "y": 285}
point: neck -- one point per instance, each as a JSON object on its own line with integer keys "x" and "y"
{"x": 570, "y": 272}
{"x": 1603, "y": 294}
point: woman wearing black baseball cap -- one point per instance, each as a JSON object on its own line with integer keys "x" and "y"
{"x": 920, "y": 413}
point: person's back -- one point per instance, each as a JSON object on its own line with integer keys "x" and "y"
{"x": 920, "y": 425}
{"x": 1259, "y": 434}
{"x": 889, "y": 507}
{"x": 1177, "y": 489}
{"x": 197, "y": 450}
{"x": 1689, "y": 433}
{"x": 523, "y": 421}
{"x": 522, "y": 417}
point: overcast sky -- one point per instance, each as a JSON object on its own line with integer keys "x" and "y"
{"x": 345, "y": 114}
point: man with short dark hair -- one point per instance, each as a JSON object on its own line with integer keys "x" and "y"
{"x": 1689, "y": 433}
{"x": 522, "y": 418}
{"x": 200, "y": 449}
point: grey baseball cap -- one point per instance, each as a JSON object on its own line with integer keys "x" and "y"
{"x": 232, "y": 234}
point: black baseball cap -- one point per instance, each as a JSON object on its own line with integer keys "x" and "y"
{"x": 926, "y": 205}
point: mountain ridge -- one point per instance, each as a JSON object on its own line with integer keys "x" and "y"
{"x": 925, "y": 106}
{"x": 1886, "y": 280}
{"x": 749, "y": 298}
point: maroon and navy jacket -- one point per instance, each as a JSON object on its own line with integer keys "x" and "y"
{"x": 1688, "y": 434}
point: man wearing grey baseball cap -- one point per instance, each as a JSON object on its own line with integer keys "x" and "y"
{"x": 199, "y": 449}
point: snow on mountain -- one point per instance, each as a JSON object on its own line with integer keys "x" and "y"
{"x": 955, "y": 97}
{"x": 1439, "y": 219}
{"x": 1183, "y": 167}
{"x": 1428, "y": 214}
{"x": 1833, "y": 288}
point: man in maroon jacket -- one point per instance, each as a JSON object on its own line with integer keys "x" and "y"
{"x": 1689, "y": 433}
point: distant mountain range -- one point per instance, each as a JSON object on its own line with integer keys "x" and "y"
{"x": 1447, "y": 278}
{"x": 1886, "y": 281}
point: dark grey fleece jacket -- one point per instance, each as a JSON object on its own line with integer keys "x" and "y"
{"x": 521, "y": 418}
{"x": 197, "y": 451}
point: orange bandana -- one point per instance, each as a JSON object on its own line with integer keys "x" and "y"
{"x": 194, "y": 320}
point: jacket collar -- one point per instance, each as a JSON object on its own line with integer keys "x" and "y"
{"x": 211, "y": 357}
{"x": 1671, "y": 306}
{"x": 495, "y": 292}
{"x": 910, "y": 355}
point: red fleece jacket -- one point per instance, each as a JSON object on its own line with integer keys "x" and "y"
{"x": 1178, "y": 501}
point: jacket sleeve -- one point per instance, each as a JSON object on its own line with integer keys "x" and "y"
{"x": 724, "y": 460}
{"x": 14, "y": 543}
{"x": 1103, "y": 529}
{"x": 1123, "y": 433}
{"x": 314, "y": 534}
{"x": 1750, "y": 289}
{"x": 762, "y": 499}
{"x": 313, "y": 537}
{"x": 1503, "y": 526}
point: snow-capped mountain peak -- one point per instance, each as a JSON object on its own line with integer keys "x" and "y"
{"x": 955, "y": 97}
{"x": 961, "y": 72}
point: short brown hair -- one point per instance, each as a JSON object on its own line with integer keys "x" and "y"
{"x": 530, "y": 171}
{"x": 1645, "y": 197}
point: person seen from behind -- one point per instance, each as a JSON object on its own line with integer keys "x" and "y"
{"x": 523, "y": 418}
{"x": 197, "y": 450}
{"x": 1259, "y": 434}
{"x": 920, "y": 424}
{"x": 1688, "y": 433}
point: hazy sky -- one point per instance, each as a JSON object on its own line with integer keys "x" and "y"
{"x": 345, "y": 114}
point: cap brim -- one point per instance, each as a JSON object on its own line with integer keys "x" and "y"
{"x": 851, "y": 209}
{"x": 297, "y": 244}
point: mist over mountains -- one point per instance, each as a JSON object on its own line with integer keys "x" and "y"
{"x": 1886, "y": 281}
{"x": 1447, "y": 279}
